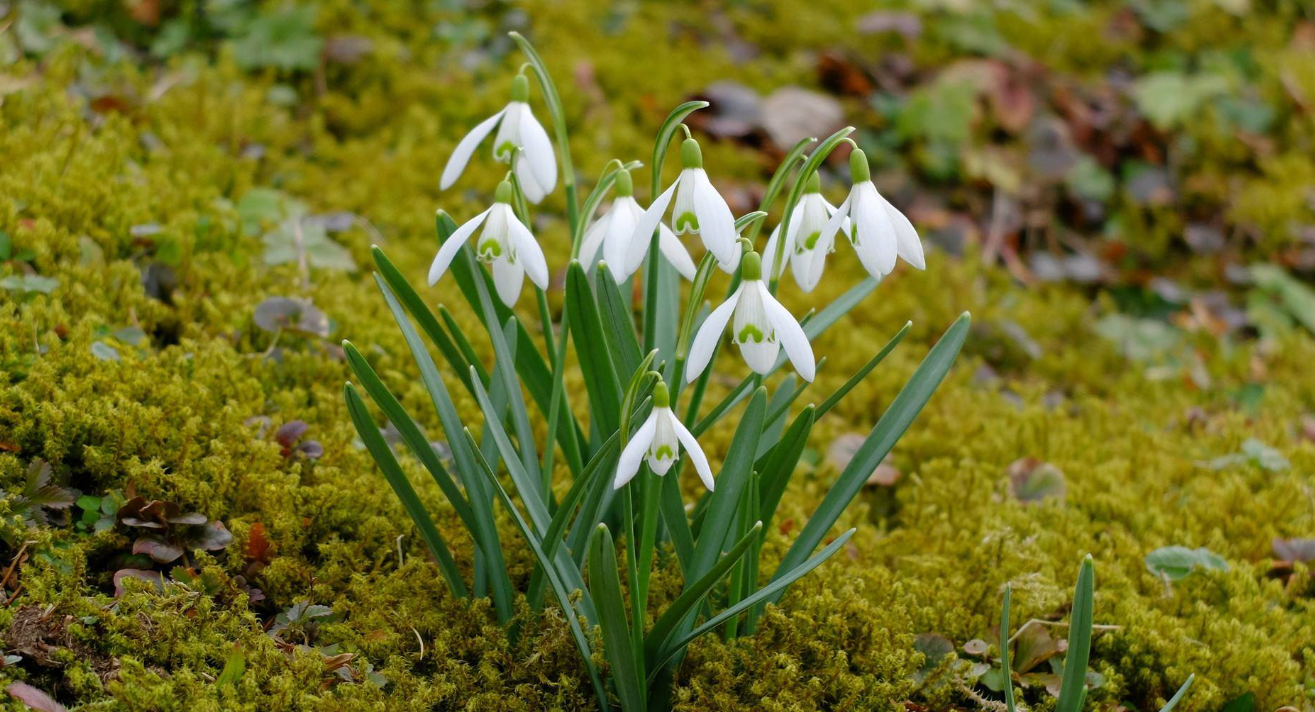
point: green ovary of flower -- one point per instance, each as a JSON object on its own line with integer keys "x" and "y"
{"x": 687, "y": 222}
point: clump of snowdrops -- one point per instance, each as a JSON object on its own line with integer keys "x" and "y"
{"x": 624, "y": 458}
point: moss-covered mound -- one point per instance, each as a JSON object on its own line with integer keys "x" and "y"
{"x": 159, "y": 163}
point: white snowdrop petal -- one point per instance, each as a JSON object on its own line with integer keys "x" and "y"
{"x": 528, "y": 253}
{"x": 648, "y": 222}
{"x": 695, "y": 453}
{"x": 593, "y": 239}
{"x": 683, "y": 216}
{"x": 617, "y": 244}
{"x": 907, "y": 244}
{"x": 538, "y": 150}
{"x": 716, "y": 224}
{"x": 448, "y": 250}
{"x": 839, "y": 217}
{"x": 760, "y": 355}
{"x": 700, "y": 350}
{"x": 465, "y": 149}
{"x": 675, "y": 253}
{"x": 508, "y": 136}
{"x": 875, "y": 232}
{"x": 633, "y": 454}
{"x": 508, "y": 277}
{"x": 791, "y": 336}
{"x": 662, "y": 451}
{"x": 534, "y": 192}
{"x": 769, "y": 255}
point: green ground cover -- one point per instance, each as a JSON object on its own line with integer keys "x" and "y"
{"x": 1123, "y": 195}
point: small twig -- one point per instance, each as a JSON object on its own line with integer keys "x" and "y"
{"x": 421, "y": 641}
{"x": 1058, "y": 624}
{"x": 400, "y": 560}
{"x": 13, "y": 564}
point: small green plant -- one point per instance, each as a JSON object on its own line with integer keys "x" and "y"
{"x": 634, "y": 380}
{"x": 1073, "y": 688}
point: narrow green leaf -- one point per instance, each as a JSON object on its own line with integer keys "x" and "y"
{"x": 1006, "y": 670}
{"x": 672, "y": 506}
{"x": 879, "y": 442}
{"x": 665, "y": 626}
{"x": 618, "y": 322}
{"x": 862, "y": 373}
{"x": 664, "y": 134}
{"x": 1178, "y": 696}
{"x": 605, "y": 585}
{"x": 383, "y": 457}
{"x": 767, "y": 592}
{"x": 469, "y": 357}
{"x": 234, "y": 668}
{"x": 596, "y": 362}
{"x": 487, "y": 532}
{"x": 776, "y": 467}
{"x": 410, "y": 432}
{"x": 561, "y": 589}
{"x": 1074, "y": 684}
{"x": 730, "y": 484}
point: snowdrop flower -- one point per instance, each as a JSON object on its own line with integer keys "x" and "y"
{"x": 809, "y": 242}
{"x": 506, "y": 245}
{"x": 623, "y": 248}
{"x": 658, "y": 440}
{"x": 699, "y": 209}
{"x": 761, "y": 327}
{"x": 517, "y": 128}
{"x": 878, "y": 231}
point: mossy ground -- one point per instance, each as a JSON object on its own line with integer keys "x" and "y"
{"x": 113, "y": 167}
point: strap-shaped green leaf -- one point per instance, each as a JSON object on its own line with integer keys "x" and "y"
{"x": 411, "y": 435}
{"x": 879, "y": 442}
{"x": 383, "y": 457}
{"x": 1178, "y": 696}
{"x": 730, "y": 485}
{"x": 596, "y": 364}
{"x": 768, "y": 592}
{"x": 468, "y": 353}
{"x": 533, "y": 370}
{"x": 620, "y": 324}
{"x": 1007, "y": 672}
{"x": 486, "y": 532}
{"x": 862, "y": 373}
{"x": 561, "y": 589}
{"x": 597, "y": 468}
{"x": 776, "y": 467}
{"x": 665, "y": 626}
{"x": 1074, "y": 685}
{"x": 605, "y": 585}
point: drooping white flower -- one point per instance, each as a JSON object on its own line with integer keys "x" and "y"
{"x": 659, "y": 441}
{"x": 536, "y": 169}
{"x": 506, "y": 245}
{"x": 761, "y": 328}
{"x": 699, "y": 209}
{"x": 809, "y": 242}
{"x": 877, "y": 230}
{"x": 615, "y": 233}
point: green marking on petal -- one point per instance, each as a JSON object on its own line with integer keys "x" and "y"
{"x": 664, "y": 452}
{"x": 749, "y": 333}
{"x": 502, "y": 151}
{"x": 687, "y": 222}
{"x": 811, "y": 241}
{"x": 489, "y": 250}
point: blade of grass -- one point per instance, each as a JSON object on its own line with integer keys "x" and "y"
{"x": 1006, "y": 670}
{"x": 1178, "y": 696}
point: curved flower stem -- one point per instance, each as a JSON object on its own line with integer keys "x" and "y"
{"x": 810, "y": 167}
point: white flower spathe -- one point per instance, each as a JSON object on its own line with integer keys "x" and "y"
{"x": 659, "y": 441}
{"x": 622, "y": 249}
{"x": 809, "y": 241}
{"x": 699, "y": 209}
{"x": 517, "y": 128}
{"x": 878, "y": 231}
{"x": 761, "y": 328}
{"x": 506, "y": 245}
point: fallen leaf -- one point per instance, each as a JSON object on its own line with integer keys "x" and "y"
{"x": 1031, "y": 480}
{"x": 793, "y": 113}
{"x": 34, "y": 698}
